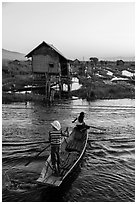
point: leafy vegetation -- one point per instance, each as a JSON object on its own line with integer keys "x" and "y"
{"x": 94, "y": 78}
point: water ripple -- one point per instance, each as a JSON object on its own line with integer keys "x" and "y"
{"x": 108, "y": 167}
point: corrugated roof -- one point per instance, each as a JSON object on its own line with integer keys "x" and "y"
{"x": 51, "y": 46}
{"x": 54, "y": 48}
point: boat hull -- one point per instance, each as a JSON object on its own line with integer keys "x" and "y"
{"x": 72, "y": 151}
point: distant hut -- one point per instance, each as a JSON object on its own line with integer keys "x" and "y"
{"x": 47, "y": 61}
{"x": 120, "y": 62}
{"x": 76, "y": 62}
{"x": 75, "y": 66}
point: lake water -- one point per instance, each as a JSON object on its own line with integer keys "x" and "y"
{"x": 107, "y": 172}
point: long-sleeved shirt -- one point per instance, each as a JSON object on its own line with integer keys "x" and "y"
{"x": 55, "y": 137}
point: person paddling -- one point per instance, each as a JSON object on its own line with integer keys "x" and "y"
{"x": 80, "y": 124}
{"x": 55, "y": 138}
{"x": 80, "y": 119}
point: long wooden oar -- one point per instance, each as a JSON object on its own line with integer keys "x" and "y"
{"x": 43, "y": 149}
{"x": 98, "y": 128}
{"x": 37, "y": 155}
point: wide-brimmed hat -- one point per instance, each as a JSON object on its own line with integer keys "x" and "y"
{"x": 56, "y": 124}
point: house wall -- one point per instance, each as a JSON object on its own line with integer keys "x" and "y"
{"x": 44, "y": 64}
{"x": 45, "y": 59}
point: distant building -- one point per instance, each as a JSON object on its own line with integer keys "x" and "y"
{"x": 120, "y": 62}
{"x": 127, "y": 73}
{"x": 47, "y": 59}
{"x": 76, "y": 62}
{"x": 109, "y": 73}
{"x": 117, "y": 79}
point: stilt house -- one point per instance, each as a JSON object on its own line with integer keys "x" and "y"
{"x": 50, "y": 66}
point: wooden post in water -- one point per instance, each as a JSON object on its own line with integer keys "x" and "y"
{"x": 60, "y": 86}
{"x": 68, "y": 84}
{"x": 47, "y": 86}
{"x": 49, "y": 89}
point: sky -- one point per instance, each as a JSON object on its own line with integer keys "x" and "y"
{"x": 78, "y": 30}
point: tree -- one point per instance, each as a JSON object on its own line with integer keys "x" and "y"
{"x": 120, "y": 62}
{"x": 102, "y": 62}
{"x": 94, "y": 60}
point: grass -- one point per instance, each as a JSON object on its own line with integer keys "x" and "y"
{"x": 16, "y": 97}
{"x": 92, "y": 88}
{"x": 98, "y": 90}
{"x": 88, "y": 91}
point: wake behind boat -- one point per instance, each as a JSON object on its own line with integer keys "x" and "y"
{"x": 72, "y": 150}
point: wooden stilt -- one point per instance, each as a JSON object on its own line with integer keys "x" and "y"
{"x": 60, "y": 87}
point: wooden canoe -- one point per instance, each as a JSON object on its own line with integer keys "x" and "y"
{"x": 72, "y": 150}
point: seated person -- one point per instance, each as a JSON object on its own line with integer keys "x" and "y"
{"x": 80, "y": 124}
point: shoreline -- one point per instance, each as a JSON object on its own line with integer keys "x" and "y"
{"x": 19, "y": 97}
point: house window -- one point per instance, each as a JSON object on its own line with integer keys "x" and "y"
{"x": 51, "y": 65}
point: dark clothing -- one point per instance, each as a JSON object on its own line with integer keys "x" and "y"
{"x": 55, "y": 138}
{"x": 80, "y": 124}
{"x": 55, "y": 159}
{"x": 80, "y": 119}
{"x": 82, "y": 127}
